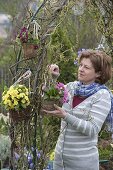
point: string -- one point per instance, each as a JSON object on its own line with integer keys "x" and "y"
{"x": 25, "y": 76}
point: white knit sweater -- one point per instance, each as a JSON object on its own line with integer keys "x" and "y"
{"x": 76, "y": 146}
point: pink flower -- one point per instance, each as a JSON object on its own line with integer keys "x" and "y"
{"x": 62, "y": 89}
{"x": 60, "y": 85}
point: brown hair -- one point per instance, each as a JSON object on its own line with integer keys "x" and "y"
{"x": 101, "y": 62}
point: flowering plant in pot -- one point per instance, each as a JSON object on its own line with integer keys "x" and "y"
{"x": 56, "y": 93}
{"x": 16, "y": 100}
{"x": 27, "y": 36}
{"x": 29, "y": 40}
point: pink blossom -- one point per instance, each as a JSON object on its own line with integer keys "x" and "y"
{"x": 60, "y": 85}
{"x": 61, "y": 88}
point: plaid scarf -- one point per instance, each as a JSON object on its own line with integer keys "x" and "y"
{"x": 88, "y": 90}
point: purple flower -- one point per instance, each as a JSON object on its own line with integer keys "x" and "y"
{"x": 38, "y": 155}
{"x": 78, "y": 55}
{"x": 76, "y": 62}
{"x": 79, "y": 51}
{"x": 24, "y": 35}
{"x": 30, "y": 158}
{"x": 31, "y": 165}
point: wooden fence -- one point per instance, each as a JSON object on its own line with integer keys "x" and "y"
{"x": 5, "y": 80}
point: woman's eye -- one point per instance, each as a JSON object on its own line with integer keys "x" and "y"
{"x": 86, "y": 67}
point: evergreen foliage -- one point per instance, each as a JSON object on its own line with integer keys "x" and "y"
{"x": 61, "y": 51}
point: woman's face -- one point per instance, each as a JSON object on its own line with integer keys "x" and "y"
{"x": 86, "y": 72}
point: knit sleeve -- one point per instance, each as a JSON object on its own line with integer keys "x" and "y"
{"x": 98, "y": 113}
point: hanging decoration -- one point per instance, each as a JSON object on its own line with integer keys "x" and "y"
{"x": 16, "y": 99}
{"x": 29, "y": 38}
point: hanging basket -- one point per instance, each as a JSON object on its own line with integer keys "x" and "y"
{"x": 29, "y": 50}
{"x": 49, "y": 104}
{"x": 18, "y": 116}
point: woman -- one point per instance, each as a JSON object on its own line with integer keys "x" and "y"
{"x": 83, "y": 116}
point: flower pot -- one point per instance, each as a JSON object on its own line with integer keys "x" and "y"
{"x": 29, "y": 50}
{"x": 18, "y": 116}
{"x": 49, "y": 104}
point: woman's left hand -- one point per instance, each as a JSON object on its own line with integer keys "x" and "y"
{"x": 58, "y": 112}
{"x": 54, "y": 70}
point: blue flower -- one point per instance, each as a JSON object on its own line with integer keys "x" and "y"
{"x": 76, "y": 62}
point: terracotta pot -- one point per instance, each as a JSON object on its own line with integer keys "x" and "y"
{"x": 29, "y": 51}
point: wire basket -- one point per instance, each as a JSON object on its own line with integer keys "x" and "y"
{"x": 18, "y": 116}
{"x": 29, "y": 51}
{"x": 49, "y": 104}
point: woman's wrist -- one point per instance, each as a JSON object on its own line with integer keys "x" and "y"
{"x": 64, "y": 114}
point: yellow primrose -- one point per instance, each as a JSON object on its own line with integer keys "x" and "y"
{"x": 11, "y": 88}
{"x": 21, "y": 95}
{"x": 10, "y": 103}
{"x": 6, "y": 96}
{"x": 6, "y": 102}
{"x": 23, "y": 101}
{"x": 26, "y": 98}
{"x": 16, "y": 96}
{"x": 13, "y": 93}
{"x": 3, "y": 98}
{"x": 13, "y": 97}
{"x": 26, "y": 93}
{"x": 26, "y": 90}
{"x": 11, "y": 106}
{"x": 3, "y": 93}
{"x": 19, "y": 90}
{"x": 27, "y": 104}
{"x": 15, "y": 103}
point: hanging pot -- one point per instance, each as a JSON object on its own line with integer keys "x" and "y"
{"x": 18, "y": 116}
{"x": 49, "y": 104}
{"x": 29, "y": 50}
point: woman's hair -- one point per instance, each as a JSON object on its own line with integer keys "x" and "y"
{"x": 101, "y": 62}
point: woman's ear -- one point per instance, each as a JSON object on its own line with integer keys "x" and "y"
{"x": 98, "y": 74}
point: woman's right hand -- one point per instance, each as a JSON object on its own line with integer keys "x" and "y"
{"x": 54, "y": 70}
{"x": 58, "y": 112}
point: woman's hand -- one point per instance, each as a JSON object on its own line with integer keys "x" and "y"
{"x": 54, "y": 70}
{"x": 58, "y": 112}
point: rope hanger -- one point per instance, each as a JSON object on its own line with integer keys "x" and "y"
{"x": 25, "y": 76}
